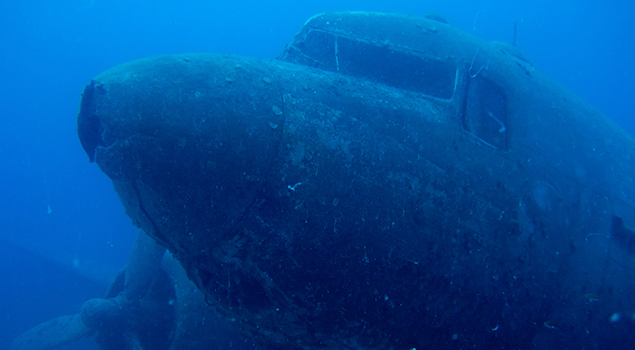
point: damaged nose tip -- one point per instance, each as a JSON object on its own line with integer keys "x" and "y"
{"x": 89, "y": 128}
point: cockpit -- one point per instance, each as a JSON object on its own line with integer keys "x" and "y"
{"x": 383, "y": 64}
{"x": 416, "y": 60}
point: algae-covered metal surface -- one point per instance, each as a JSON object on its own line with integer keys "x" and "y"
{"x": 327, "y": 201}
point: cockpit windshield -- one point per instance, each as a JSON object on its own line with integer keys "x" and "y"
{"x": 379, "y": 63}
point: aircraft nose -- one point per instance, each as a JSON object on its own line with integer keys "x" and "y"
{"x": 217, "y": 117}
{"x": 89, "y": 128}
{"x": 179, "y": 97}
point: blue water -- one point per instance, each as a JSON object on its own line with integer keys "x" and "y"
{"x": 64, "y": 233}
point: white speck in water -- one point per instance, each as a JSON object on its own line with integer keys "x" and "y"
{"x": 292, "y": 188}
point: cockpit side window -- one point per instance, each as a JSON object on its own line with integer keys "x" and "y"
{"x": 486, "y": 112}
{"x": 403, "y": 70}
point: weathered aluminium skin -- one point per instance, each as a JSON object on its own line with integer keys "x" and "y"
{"x": 322, "y": 211}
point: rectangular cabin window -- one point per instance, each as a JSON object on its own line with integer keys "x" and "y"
{"x": 381, "y": 64}
{"x": 486, "y": 112}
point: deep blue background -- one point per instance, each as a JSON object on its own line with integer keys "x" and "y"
{"x": 63, "y": 232}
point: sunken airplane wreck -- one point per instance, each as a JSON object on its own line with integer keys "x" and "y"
{"x": 389, "y": 182}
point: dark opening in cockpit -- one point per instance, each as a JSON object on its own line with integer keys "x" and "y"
{"x": 403, "y": 70}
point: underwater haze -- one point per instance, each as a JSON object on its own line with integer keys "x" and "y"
{"x": 65, "y": 235}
